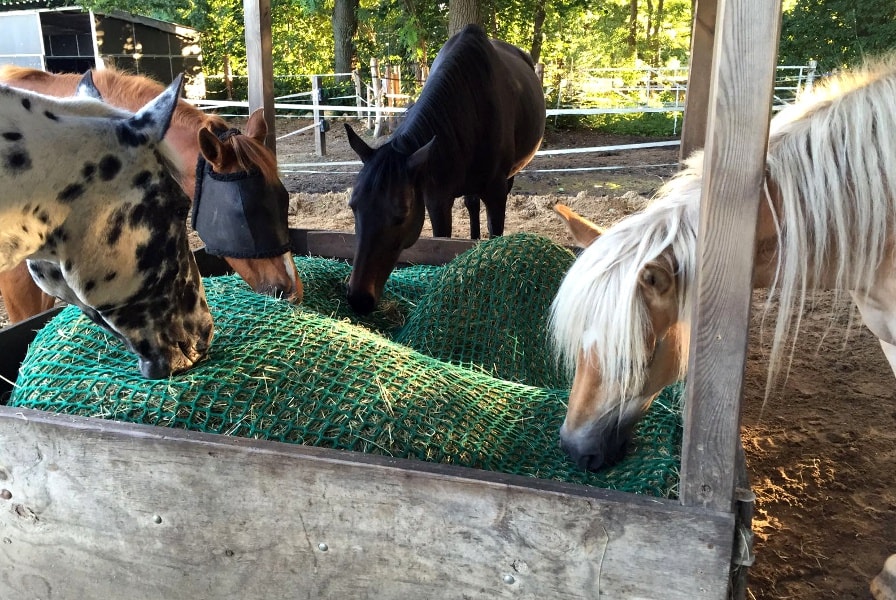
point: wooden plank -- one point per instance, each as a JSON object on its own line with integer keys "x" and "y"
{"x": 737, "y": 137}
{"x": 426, "y": 251}
{"x": 703, "y": 28}
{"x": 259, "y": 63}
{"x": 99, "y": 509}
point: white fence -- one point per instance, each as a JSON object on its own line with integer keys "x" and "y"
{"x": 591, "y": 92}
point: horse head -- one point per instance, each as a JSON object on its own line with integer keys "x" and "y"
{"x": 241, "y": 208}
{"x": 387, "y": 202}
{"x": 619, "y": 322}
{"x": 113, "y": 241}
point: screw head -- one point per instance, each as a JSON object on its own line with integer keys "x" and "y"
{"x": 322, "y": 547}
{"x": 508, "y": 579}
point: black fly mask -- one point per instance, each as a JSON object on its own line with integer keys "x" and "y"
{"x": 240, "y": 215}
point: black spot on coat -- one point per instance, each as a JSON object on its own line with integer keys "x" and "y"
{"x": 71, "y": 193}
{"x": 109, "y": 167}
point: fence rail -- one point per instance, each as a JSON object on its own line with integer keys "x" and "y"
{"x": 590, "y": 92}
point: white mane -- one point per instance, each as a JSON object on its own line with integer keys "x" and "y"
{"x": 832, "y": 156}
{"x": 598, "y": 306}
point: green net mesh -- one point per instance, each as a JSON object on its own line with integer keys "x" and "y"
{"x": 471, "y": 382}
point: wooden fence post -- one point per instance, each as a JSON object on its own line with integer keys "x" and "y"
{"x": 320, "y": 140}
{"x": 359, "y": 86}
{"x": 377, "y": 95}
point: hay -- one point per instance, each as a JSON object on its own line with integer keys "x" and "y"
{"x": 318, "y": 375}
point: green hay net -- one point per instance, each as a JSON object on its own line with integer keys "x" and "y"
{"x": 453, "y": 367}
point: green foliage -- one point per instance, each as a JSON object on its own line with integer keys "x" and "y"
{"x": 652, "y": 124}
{"x": 837, "y": 33}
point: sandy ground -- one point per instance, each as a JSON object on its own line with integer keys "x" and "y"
{"x": 821, "y": 453}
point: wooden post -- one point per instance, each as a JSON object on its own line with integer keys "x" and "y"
{"x": 359, "y": 88}
{"x": 734, "y": 167}
{"x": 703, "y": 29}
{"x": 539, "y": 71}
{"x": 320, "y": 140}
{"x": 377, "y": 96}
{"x": 388, "y": 99}
{"x": 257, "y": 20}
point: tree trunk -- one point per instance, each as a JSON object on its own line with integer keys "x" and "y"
{"x": 657, "y": 25}
{"x": 537, "y": 33}
{"x": 345, "y": 25}
{"x": 632, "y": 40}
{"x": 462, "y": 13}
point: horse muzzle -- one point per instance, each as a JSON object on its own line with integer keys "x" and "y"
{"x": 595, "y": 447}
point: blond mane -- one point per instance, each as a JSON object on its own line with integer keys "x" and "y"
{"x": 832, "y": 160}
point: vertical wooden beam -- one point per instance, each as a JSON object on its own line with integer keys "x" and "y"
{"x": 259, "y": 60}
{"x": 741, "y": 88}
{"x": 703, "y": 30}
{"x": 320, "y": 140}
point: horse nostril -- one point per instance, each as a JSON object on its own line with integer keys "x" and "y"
{"x": 157, "y": 368}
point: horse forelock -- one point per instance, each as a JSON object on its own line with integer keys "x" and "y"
{"x": 600, "y": 308}
{"x": 832, "y": 161}
{"x": 254, "y": 156}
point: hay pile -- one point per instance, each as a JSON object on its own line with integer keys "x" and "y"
{"x": 452, "y": 368}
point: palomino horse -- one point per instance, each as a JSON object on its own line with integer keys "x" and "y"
{"x": 828, "y": 220}
{"x": 478, "y": 121}
{"x": 92, "y": 203}
{"x": 243, "y": 215}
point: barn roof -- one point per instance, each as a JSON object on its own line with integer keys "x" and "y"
{"x": 30, "y": 5}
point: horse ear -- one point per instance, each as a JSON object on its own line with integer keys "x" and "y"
{"x": 421, "y": 156}
{"x": 360, "y": 147}
{"x": 86, "y": 87}
{"x": 583, "y": 231}
{"x": 257, "y": 127}
{"x": 211, "y": 148}
{"x": 656, "y": 279}
{"x": 154, "y": 118}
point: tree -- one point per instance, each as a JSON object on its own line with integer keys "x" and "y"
{"x": 345, "y": 26}
{"x": 837, "y": 33}
{"x": 462, "y": 13}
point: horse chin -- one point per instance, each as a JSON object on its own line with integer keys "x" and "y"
{"x": 276, "y": 276}
{"x": 362, "y": 301}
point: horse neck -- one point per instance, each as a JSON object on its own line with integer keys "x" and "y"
{"x": 27, "y": 221}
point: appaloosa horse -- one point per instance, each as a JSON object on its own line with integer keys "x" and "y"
{"x": 478, "y": 121}
{"x": 240, "y": 209}
{"x": 91, "y": 201}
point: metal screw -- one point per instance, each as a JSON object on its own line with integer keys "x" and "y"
{"x": 508, "y": 579}
{"x": 156, "y": 519}
{"x": 322, "y": 547}
{"x": 5, "y": 494}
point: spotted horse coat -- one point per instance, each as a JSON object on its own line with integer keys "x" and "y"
{"x": 91, "y": 200}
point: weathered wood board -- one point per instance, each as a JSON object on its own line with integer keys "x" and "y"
{"x": 99, "y": 509}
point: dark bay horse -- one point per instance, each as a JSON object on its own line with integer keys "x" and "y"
{"x": 478, "y": 121}
{"x": 233, "y": 157}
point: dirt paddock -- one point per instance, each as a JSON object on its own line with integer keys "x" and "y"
{"x": 821, "y": 451}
